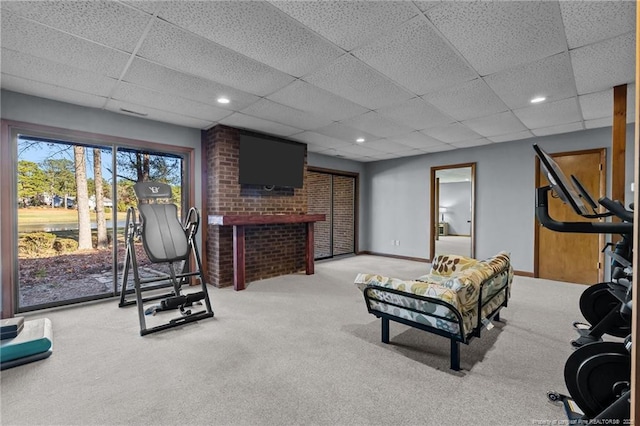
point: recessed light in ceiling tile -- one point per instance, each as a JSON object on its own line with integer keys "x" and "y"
{"x": 223, "y": 100}
{"x": 538, "y": 99}
{"x": 360, "y": 140}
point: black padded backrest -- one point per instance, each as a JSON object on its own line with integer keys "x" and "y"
{"x": 163, "y": 236}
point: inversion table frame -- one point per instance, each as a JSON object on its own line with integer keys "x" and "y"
{"x": 165, "y": 240}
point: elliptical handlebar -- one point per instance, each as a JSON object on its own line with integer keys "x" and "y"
{"x": 542, "y": 213}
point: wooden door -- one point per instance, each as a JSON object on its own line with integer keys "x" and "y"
{"x": 572, "y": 257}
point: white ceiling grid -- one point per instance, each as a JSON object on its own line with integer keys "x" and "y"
{"x": 410, "y": 77}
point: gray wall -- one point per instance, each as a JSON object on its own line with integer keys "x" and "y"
{"x": 456, "y": 197}
{"x": 398, "y": 195}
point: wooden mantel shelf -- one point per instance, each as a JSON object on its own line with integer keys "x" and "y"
{"x": 240, "y": 221}
{"x": 263, "y": 219}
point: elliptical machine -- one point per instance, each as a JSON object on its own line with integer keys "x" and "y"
{"x": 597, "y": 374}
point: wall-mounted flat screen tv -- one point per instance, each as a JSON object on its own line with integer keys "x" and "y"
{"x": 270, "y": 162}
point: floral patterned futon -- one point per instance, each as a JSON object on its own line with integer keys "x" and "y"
{"x": 454, "y": 280}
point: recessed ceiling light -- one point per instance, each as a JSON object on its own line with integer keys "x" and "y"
{"x": 223, "y": 100}
{"x": 538, "y": 99}
{"x": 360, "y": 140}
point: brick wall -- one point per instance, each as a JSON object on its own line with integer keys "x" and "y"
{"x": 343, "y": 214}
{"x": 271, "y": 250}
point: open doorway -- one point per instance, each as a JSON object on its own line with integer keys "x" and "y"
{"x": 452, "y": 210}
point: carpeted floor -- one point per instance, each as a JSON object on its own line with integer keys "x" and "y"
{"x": 297, "y": 350}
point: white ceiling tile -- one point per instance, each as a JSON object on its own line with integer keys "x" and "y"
{"x": 319, "y": 140}
{"x": 149, "y": 6}
{"x": 242, "y": 121}
{"x": 416, "y": 113}
{"x": 402, "y": 56}
{"x": 109, "y": 23}
{"x": 425, "y": 5}
{"x": 182, "y": 51}
{"x": 455, "y": 132}
{"x": 472, "y": 143}
{"x": 512, "y": 136}
{"x": 348, "y": 23}
{"x": 44, "y": 42}
{"x": 255, "y": 29}
{"x": 307, "y": 97}
{"x": 561, "y": 128}
{"x": 138, "y": 95}
{"x": 358, "y": 149}
{"x": 279, "y": 113}
{"x": 346, "y": 133}
{"x": 495, "y": 35}
{"x": 551, "y": 77}
{"x": 384, "y": 156}
{"x": 160, "y": 78}
{"x": 605, "y": 65}
{"x": 416, "y": 140}
{"x": 598, "y": 122}
{"x": 438, "y": 148}
{"x": 352, "y": 79}
{"x": 377, "y": 125}
{"x": 316, "y": 148}
{"x": 587, "y": 22}
{"x": 385, "y": 145}
{"x": 597, "y": 104}
{"x": 498, "y": 124}
{"x": 467, "y": 100}
{"x": 549, "y": 114}
{"x": 157, "y": 115}
{"x": 48, "y": 91}
{"x": 44, "y": 71}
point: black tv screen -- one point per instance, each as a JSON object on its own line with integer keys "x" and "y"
{"x": 269, "y": 162}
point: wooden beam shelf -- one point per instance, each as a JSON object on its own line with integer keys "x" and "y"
{"x": 240, "y": 221}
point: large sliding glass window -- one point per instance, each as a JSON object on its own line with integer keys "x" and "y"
{"x": 72, "y": 199}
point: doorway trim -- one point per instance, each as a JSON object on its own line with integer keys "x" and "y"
{"x": 434, "y": 213}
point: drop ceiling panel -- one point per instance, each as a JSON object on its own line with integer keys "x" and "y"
{"x": 183, "y": 51}
{"x": 279, "y": 113}
{"x": 561, "y": 128}
{"x": 349, "y": 24}
{"x": 604, "y": 65}
{"x": 106, "y": 22}
{"x": 307, "y": 97}
{"x": 551, "y": 77}
{"x": 455, "y": 132}
{"x": 549, "y": 114}
{"x": 600, "y": 104}
{"x": 425, "y": 5}
{"x": 257, "y": 30}
{"x": 352, "y": 79}
{"x": 49, "y": 91}
{"x": 157, "y": 115}
{"x": 402, "y": 56}
{"x": 45, "y": 71}
{"x": 598, "y": 122}
{"x": 242, "y": 121}
{"x": 511, "y": 136}
{"x": 471, "y": 143}
{"x": 587, "y": 22}
{"x": 417, "y": 140}
{"x": 316, "y": 139}
{"x": 496, "y": 35}
{"x": 416, "y": 113}
{"x": 358, "y": 149}
{"x": 467, "y": 100}
{"x": 160, "y": 78}
{"x": 385, "y": 145}
{"x": 44, "y": 42}
{"x": 138, "y": 95}
{"x": 498, "y": 124}
{"x": 346, "y": 133}
{"x": 377, "y": 125}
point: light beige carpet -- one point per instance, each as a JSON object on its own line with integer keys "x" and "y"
{"x": 297, "y": 350}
